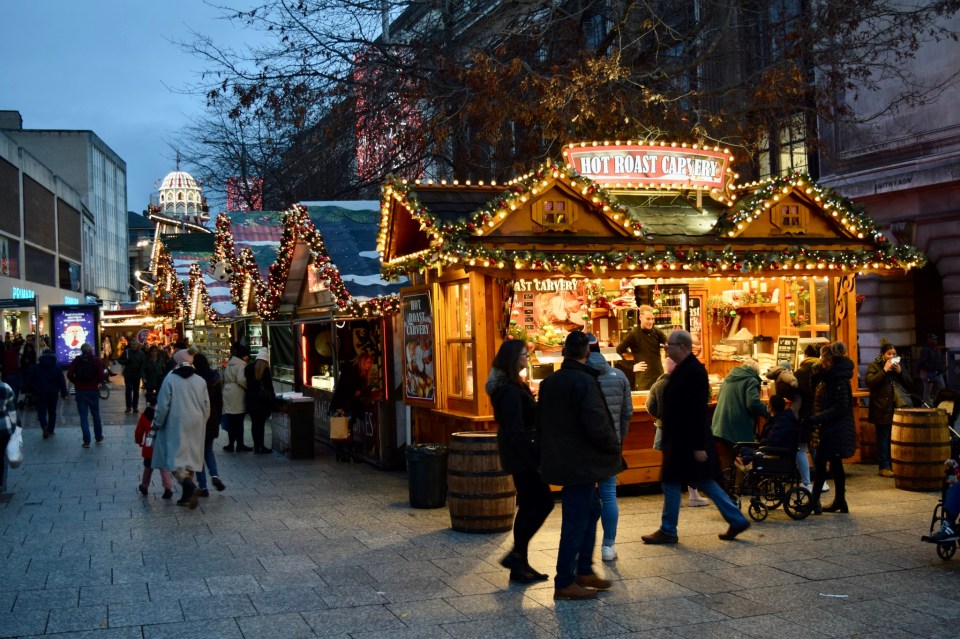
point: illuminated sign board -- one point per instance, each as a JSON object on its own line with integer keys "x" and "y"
{"x": 73, "y": 325}
{"x": 651, "y": 165}
{"x": 23, "y": 293}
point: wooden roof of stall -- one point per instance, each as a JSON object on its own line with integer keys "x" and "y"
{"x": 776, "y": 226}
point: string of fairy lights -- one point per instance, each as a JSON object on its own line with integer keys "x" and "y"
{"x": 453, "y": 243}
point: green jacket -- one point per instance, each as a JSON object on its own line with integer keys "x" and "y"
{"x": 738, "y": 406}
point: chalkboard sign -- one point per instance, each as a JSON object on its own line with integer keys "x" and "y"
{"x": 787, "y": 349}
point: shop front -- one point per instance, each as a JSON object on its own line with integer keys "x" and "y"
{"x": 594, "y": 243}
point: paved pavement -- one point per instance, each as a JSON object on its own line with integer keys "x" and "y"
{"x": 316, "y": 548}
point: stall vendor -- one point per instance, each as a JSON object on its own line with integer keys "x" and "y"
{"x": 641, "y": 348}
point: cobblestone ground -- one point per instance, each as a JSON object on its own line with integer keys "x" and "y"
{"x": 316, "y": 548}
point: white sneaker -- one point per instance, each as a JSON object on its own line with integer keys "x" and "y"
{"x": 826, "y": 488}
{"x": 698, "y": 501}
{"x": 608, "y": 553}
{"x": 809, "y": 487}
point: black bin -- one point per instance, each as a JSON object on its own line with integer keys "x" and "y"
{"x": 427, "y": 475}
{"x": 292, "y": 432}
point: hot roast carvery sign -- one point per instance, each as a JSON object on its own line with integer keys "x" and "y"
{"x": 663, "y": 166}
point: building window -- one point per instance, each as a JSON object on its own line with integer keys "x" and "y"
{"x": 459, "y": 343}
{"x": 554, "y": 214}
{"x": 790, "y": 218}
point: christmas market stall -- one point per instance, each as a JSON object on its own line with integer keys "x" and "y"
{"x": 246, "y": 248}
{"x": 591, "y": 243}
{"x": 345, "y": 323}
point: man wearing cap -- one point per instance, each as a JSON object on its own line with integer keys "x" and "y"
{"x": 931, "y": 370}
{"x": 579, "y": 448}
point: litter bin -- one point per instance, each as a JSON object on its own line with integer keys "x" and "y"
{"x": 427, "y": 475}
{"x": 292, "y": 432}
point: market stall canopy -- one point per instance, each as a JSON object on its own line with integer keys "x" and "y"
{"x": 349, "y": 230}
{"x": 191, "y": 256}
{"x": 556, "y": 220}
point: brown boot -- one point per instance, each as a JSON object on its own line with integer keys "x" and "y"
{"x": 592, "y": 581}
{"x": 574, "y": 592}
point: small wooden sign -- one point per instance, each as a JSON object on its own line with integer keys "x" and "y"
{"x": 787, "y": 349}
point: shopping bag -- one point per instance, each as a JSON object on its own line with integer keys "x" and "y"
{"x": 14, "y": 450}
{"x": 339, "y": 428}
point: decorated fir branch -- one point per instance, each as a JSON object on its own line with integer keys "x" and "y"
{"x": 655, "y": 262}
{"x": 852, "y": 217}
{"x": 195, "y": 284}
{"x": 268, "y": 295}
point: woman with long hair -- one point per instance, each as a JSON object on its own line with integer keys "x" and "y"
{"x": 883, "y": 375}
{"x": 833, "y": 416}
{"x": 515, "y": 410}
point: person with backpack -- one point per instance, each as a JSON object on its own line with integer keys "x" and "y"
{"x": 86, "y": 372}
{"x": 47, "y": 382}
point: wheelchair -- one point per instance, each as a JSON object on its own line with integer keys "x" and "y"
{"x": 945, "y": 549}
{"x": 770, "y": 480}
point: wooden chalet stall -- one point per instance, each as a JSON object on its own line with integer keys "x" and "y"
{"x": 345, "y": 310}
{"x": 321, "y": 303}
{"x": 755, "y": 270}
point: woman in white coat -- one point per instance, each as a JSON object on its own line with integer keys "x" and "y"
{"x": 180, "y": 422}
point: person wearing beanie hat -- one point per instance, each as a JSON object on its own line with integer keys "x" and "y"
{"x": 234, "y": 397}
{"x": 260, "y": 397}
{"x": 183, "y": 356}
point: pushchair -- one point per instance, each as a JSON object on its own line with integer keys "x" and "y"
{"x": 947, "y": 548}
{"x": 770, "y": 479}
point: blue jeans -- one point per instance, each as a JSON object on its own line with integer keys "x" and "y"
{"x": 671, "y": 505}
{"x": 609, "y": 510}
{"x": 883, "y": 445}
{"x": 209, "y": 462}
{"x": 578, "y": 533}
{"x": 131, "y": 392}
{"x": 803, "y": 464}
{"x": 89, "y": 400}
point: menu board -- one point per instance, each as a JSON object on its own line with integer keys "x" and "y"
{"x": 787, "y": 349}
{"x": 418, "y": 369}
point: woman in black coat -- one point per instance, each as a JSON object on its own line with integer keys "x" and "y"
{"x": 883, "y": 374}
{"x": 514, "y": 409}
{"x": 260, "y": 397}
{"x": 833, "y": 415}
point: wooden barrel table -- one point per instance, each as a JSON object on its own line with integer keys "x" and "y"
{"x": 480, "y": 495}
{"x": 919, "y": 444}
{"x": 867, "y": 440}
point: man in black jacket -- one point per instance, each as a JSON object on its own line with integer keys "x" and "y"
{"x": 579, "y": 447}
{"x": 688, "y": 456}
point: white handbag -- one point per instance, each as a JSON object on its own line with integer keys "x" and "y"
{"x": 14, "y": 450}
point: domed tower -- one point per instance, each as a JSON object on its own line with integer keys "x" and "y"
{"x": 180, "y": 198}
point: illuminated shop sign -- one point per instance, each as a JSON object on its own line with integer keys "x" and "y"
{"x": 23, "y": 293}
{"x": 662, "y": 166}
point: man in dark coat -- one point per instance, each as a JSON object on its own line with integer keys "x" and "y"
{"x": 48, "y": 384}
{"x": 578, "y": 448}
{"x": 132, "y": 360}
{"x": 688, "y": 455}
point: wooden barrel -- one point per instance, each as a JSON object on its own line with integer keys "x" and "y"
{"x": 919, "y": 444}
{"x": 481, "y": 496}
{"x": 867, "y": 440}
